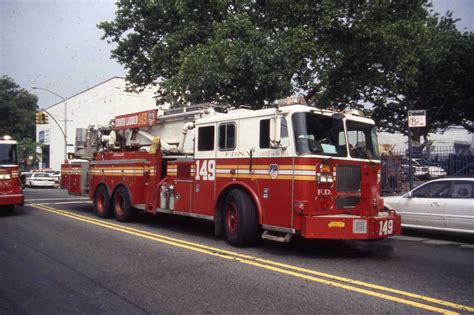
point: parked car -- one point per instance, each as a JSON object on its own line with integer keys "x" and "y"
{"x": 55, "y": 174}
{"x": 23, "y": 176}
{"x": 40, "y": 179}
{"x": 434, "y": 171}
{"x": 445, "y": 204}
{"x": 419, "y": 171}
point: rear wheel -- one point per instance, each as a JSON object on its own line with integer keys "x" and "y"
{"x": 123, "y": 210}
{"x": 102, "y": 206}
{"x": 241, "y": 220}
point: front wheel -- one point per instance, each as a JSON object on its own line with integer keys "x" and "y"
{"x": 101, "y": 201}
{"x": 241, "y": 220}
{"x": 123, "y": 210}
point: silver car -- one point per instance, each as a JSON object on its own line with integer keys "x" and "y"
{"x": 434, "y": 171}
{"x": 419, "y": 171}
{"x": 445, "y": 204}
{"x": 40, "y": 179}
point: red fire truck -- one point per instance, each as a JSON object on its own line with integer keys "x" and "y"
{"x": 275, "y": 172}
{"x": 11, "y": 193}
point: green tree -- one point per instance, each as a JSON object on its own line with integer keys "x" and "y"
{"x": 377, "y": 55}
{"x": 17, "y": 110}
{"x": 27, "y": 150}
{"x": 438, "y": 80}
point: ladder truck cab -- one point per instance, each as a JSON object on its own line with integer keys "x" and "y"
{"x": 275, "y": 172}
{"x": 11, "y": 193}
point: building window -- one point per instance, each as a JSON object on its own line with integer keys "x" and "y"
{"x": 227, "y": 137}
{"x": 206, "y": 138}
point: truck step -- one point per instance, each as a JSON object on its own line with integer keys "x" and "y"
{"x": 277, "y": 236}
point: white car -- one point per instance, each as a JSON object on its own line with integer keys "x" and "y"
{"x": 434, "y": 171}
{"x": 445, "y": 204}
{"x": 39, "y": 179}
{"x": 419, "y": 171}
{"x": 55, "y": 174}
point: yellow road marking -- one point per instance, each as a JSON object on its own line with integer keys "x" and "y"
{"x": 274, "y": 266}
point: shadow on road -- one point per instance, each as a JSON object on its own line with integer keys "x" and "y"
{"x": 299, "y": 246}
{"x": 439, "y": 235}
{"x": 202, "y": 231}
{"x": 16, "y": 211}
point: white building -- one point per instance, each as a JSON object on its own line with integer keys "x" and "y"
{"x": 96, "y": 105}
{"x": 439, "y": 140}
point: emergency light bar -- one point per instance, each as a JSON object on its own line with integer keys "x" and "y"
{"x": 289, "y": 101}
{"x": 355, "y": 112}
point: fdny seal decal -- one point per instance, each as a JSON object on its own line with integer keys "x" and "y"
{"x": 273, "y": 171}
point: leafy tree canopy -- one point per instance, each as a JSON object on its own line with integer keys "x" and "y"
{"x": 386, "y": 56}
{"x": 17, "y": 110}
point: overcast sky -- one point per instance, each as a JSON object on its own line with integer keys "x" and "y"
{"x": 56, "y": 44}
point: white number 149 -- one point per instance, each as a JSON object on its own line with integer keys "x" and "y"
{"x": 386, "y": 227}
{"x": 206, "y": 170}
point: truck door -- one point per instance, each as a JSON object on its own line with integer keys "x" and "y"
{"x": 272, "y": 171}
{"x": 204, "y": 170}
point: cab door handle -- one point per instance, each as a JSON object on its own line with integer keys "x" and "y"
{"x": 436, "y": 204}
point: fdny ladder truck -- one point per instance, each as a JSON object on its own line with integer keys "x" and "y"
{"x": 11, "y": 193}
{"x": 274, "y": 172}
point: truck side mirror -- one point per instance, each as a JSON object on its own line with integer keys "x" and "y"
{"x": 275, "y": 132}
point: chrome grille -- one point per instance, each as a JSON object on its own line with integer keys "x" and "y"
{"x": 348, "y": 178}
{"x": 347, "y": 202}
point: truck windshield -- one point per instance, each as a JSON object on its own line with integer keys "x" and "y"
{"x": 8, "y": 154}
{"x": 319, "y": 134}
{"x": 362, "y": 140}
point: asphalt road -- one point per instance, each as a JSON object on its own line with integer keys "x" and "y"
{"x": 56, "y": 257}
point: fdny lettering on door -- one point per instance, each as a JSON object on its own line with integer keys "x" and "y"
{"x": 205, "y": 169}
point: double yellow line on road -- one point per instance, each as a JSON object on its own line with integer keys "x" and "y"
{"x": 394, "y": 295}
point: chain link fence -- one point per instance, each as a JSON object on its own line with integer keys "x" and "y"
{"x": 427, "y": 164}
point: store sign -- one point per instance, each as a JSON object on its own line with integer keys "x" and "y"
{"x": 416, "y": 118}
{"x": 136, "y": 120}
{"x": 41, "y": 136}
{"x": 46, "y": 136}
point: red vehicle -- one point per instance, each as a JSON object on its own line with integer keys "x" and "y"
{"x": 275, "y": 172}
{"x": 11, "y": 193}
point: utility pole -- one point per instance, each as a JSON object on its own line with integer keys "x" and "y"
{"x": 65, "y": 115}
{"x": 416, "y": 119}
{"x": 410, "y": 161}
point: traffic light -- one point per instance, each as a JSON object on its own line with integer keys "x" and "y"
{"x": 38, "y": 118}
{"x": 41, "y": 118}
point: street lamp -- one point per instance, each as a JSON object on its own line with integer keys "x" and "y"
{"x": 65, "y": 115}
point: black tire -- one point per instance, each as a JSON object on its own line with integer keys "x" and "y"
{"x": 123, "y": 210}
{"x": 240, "y": 219}
{"x": 102, "y": 204}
